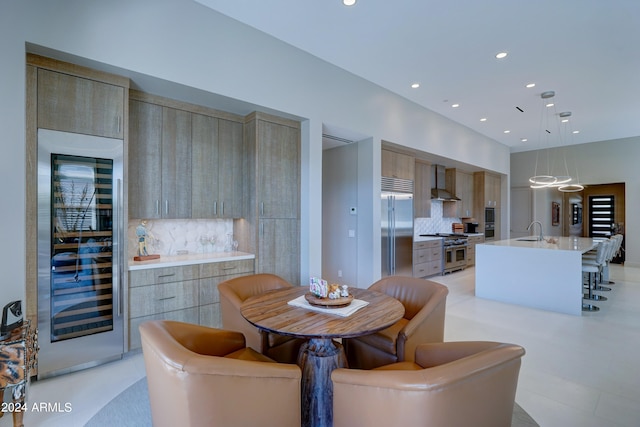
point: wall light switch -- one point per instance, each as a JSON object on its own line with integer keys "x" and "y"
{"x": 352, "y": 233}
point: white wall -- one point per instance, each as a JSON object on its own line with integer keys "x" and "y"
{"x": 184, "y": 42}
{"x": 602, "y": 162}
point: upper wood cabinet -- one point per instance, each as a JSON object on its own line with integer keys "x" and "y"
{"x": 160, "y": 158}
{"x": 217, "y": 168}
{"x": 145, "y": 154}
{"x": 397, "y": 165}
{"x": 278, "y": 156}
{"x": 422, "y": 190}
{"x": 461, "y": 183}
{"x": 80, "y": 105}
{"x": 271, "y": 225}
{"x": 176, "y": 163}
{"x": 487, "y": 189}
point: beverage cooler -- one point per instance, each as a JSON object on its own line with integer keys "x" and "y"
{"x": 80, "y": 251}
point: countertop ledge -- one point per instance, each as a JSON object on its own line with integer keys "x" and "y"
{"x": 189, "y": 259}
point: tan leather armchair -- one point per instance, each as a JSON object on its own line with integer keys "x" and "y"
{"x": 450, "y": 384}
{"x": 200, "y": 376}
{"x": 233, "y": 293}
{"x": 424, "y": 304}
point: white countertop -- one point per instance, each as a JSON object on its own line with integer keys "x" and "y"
{"x": 425, "y": 238}
{"x": 189, "y": 259}
{"x": 580, "y": 244}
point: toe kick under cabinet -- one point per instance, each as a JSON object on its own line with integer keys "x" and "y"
{"x": 187, "y": 293}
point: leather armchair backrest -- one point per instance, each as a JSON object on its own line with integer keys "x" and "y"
{"x": 247, "y": 286}
{"x": 414, "y": 293}
{"x": 234, "y": 292}
{"x": 197, "y": 386}
{"x": 468, "y": 384}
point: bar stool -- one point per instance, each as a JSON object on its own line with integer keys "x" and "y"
{"x": 615, "y": 248}
{"x": 604, "y": 265}
{"x": 593, "y": 270}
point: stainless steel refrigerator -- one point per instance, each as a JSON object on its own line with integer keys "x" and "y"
{"x": 397, "y": 227}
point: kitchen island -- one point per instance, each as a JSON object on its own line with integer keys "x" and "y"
{"x": 533, "y": 273}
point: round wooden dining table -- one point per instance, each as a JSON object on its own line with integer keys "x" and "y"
{"x": 321, "y": 354}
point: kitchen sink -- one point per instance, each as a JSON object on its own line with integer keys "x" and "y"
{"x": 528, "y": 239}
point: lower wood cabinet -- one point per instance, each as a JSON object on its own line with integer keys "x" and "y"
{"x": 472, "y": 241}
{"x": 185, "y": 293}
{"x": 427, "y": 258}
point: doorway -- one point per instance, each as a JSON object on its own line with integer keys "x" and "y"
{"x": 604, "y": 213}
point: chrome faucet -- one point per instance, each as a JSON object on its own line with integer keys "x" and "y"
{"x": 540, "y": 237}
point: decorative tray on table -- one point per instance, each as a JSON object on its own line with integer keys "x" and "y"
{"x": 328, "y": 302}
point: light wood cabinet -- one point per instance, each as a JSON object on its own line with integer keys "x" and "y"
{"x": 397, "y": 165}
{"x": 427, "y": 258}
{"x": 422, "y": 190}
{"x": 217, "y": 168}
{"x": 185, "y": 293}
{"x": 278, "y": 154}
{"x": 160, "y": 158}
{"x": 487, "y": 195}
{"x": 176, "y": 163}
{"x": 145, "y": 153}
{"x": 279, "y": 248}
{"x": 271, "y": 222}
{"x": 80, "y": 105}
{"x": 211, "y": 275}
{"x": 487, "y": 189}
{"x": 472, "y": 241}
{"x": 462, "y": 184}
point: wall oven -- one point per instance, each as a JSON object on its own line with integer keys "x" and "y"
{"x": 489, "y": 223}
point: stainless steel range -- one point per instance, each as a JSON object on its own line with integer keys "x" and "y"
{"x": 454, "y": 250}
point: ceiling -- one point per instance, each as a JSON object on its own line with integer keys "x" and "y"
{"x": 587, "y": 51}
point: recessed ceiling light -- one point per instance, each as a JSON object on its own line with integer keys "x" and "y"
{"x": 507, "y": 131}
{"x": 549, "y": 104}
{"x": 484, "y": 119}
{"x": 530, "y": 85}
{"x": 455, "y": 105}
{"x": 348, "y": 2}
{"x": 523, "y": 139}
{"x": 565, "y": 120}
{"x": 415, "y": 85}
{"x": 501, "y": 55}
{"x": 576, "y": 131}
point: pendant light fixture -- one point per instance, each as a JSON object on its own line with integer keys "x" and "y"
{"x": 549, "y": 127}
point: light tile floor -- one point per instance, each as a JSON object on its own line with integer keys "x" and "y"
{"x": 578, "y": 371}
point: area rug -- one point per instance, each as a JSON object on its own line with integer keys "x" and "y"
{"x": 131, "y": 409}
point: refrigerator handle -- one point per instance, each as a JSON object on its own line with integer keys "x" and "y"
{"x": 392, "y": 227}
{"x": 120, "y": 248}
{"x": 389, "y": 237}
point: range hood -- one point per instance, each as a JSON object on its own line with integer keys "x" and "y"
{"x": 438, "y": 191}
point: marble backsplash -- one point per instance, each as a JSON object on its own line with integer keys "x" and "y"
{"x": 435, "y": 224}
{"x": 168, "y": 236}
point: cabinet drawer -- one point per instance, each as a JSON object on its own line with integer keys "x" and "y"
{"x": 154, "y": 299}
{"x": 188, "y": 316}
{"x": 425, "y": 255}
{"x": 226, "y": 267}
{"x": 437, "y": 243}
{"x": 427, "y": 268}
{"x": 162, "y": 275}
